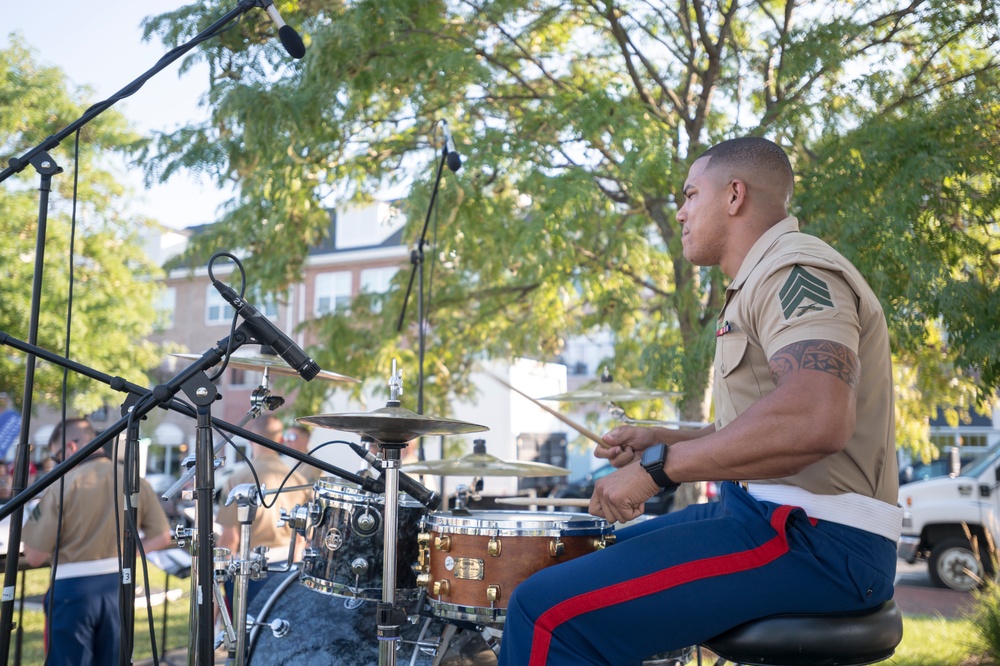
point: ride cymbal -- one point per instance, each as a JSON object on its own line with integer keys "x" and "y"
{"x": 610, "y": 392}
{"x": 250, "y": 360}
{"x": 483, "y": 464}
{"x": 392, "y": 424}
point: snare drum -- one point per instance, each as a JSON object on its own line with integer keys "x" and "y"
{"x": 345, "y": 544}
{"x": 470, "y": 563}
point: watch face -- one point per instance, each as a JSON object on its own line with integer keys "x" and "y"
{"x": 653, "y": 455}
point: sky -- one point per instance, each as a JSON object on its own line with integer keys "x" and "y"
{"x": 100, "y": 45}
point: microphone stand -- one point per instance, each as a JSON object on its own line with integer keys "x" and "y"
{"x": 194, "y": 382}
{"x": 417, "y": 259}
{"x": 45, "y": 165}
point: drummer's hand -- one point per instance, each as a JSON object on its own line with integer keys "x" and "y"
{"x": 625, "y": 444}
{"x": 620, "y": 496}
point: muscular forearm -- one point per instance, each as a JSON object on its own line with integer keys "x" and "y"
{"x": 800, "y": 423}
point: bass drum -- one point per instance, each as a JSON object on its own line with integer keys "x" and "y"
{"x": 328, "y": 629}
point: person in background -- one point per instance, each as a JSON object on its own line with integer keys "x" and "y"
{"x": 297, "y": 437}
{"x": 83, "y": 624}
{"x": 272, "y": 473}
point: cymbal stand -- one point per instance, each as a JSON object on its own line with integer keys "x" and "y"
{"x": 390, "y": 618}
{"x": 260, "y": 400}
{"x": 249, "y": 565}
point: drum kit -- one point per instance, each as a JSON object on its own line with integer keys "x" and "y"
{"x": 440, "y": 596}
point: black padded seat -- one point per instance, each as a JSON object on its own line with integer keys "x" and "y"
{"x": 841, "y": 639}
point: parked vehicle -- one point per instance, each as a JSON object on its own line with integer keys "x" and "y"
{"x": 952, "y": 522}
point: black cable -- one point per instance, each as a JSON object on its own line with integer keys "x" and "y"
{"x": 232, "y": 327}
{"x": 65, "y": 382}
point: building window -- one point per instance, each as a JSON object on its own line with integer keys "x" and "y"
{"x": 217, "y": 311}
{"x": 377, "y": 281}
{"x": 165, "y": 304}
{"x": 333, "y": 292}
{"x": 980, "y": 440}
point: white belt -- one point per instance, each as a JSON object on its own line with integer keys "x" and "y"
{"x": 852, "y": 509}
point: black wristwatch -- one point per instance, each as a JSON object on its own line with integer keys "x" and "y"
{"x": 653, "y": 460}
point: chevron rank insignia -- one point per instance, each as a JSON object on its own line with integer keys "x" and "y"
{"x": 803, "y": 292}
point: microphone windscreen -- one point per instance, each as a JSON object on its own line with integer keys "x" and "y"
{"x": 454, "y": 161}
{"x": 291, "y": 41}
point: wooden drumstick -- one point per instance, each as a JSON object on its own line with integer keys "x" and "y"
{"x": 589, "y": 434}
{"x": 582, "y": 502}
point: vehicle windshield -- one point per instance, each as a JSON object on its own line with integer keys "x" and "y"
{"x": 976, "y": 468}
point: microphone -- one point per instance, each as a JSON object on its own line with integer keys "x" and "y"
{"x": 269, "y": 334}
{"x": 453, "y": 158}
{"x": 429, "y": 498}
{"x": 289, "y": 38}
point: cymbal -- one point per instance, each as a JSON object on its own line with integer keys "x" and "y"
{"x": 250, "y": 360}
{"x": 483, "y": 464}
{"x": 610, "y": 392}
{"x": 392, "y": 424}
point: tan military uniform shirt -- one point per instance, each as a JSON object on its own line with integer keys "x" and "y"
{"x": 265, "y": 531}
{"x": 88, "y": 526}
{"x": 793, "y": 287}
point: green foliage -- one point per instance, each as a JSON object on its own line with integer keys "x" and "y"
{"x": 577, "y": 121}
{"x": 113, "y": 288}
{"x": 985, "y": 617}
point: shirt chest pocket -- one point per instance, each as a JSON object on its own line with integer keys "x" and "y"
{"x": 731, "y": 350}
{"x": 730, "y": 353}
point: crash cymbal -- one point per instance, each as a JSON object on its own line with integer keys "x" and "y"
{"x": 251, "y": 360}
{"x": 392, "y": 424}
{"x": 483, "y": 464}
{"x": 610, "y": 392}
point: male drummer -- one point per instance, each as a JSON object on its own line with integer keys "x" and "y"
{"x": 272, "y": 473}
{"x": 804, "y": 413}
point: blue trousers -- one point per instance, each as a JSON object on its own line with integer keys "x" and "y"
{"x": 679, "y": 579}
{"x": 83, "y": 626}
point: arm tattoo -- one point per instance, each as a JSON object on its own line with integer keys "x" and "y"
{"x": 823, "y": 355}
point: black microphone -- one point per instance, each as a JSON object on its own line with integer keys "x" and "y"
{"x": 453, "y": 158}
{"x": 289, "y": 38}
{"x": 269, "y": 334}
{"x": 418, "y": 491}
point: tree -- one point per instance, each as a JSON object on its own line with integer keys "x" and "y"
{"x": 113, "y": 285}
{"x": 578, "y": 120}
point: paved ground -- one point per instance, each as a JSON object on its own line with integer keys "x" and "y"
{"x": 916, "y": 595}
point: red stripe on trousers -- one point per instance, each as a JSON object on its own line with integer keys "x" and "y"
{"x": 657, "y": 582}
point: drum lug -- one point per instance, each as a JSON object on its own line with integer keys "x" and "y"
{"x": 442, "y": 588}
{"x": 423, "y": 563}
{"x": 424, "y": 580}
{"x": 359, "y": 566}
{"x": 557, "y": 548}
{"x": 443, "y": 543}
{"x": 493, "y": 594}
{"x": 604, "y": 541}
{"x": 494, "y": 546}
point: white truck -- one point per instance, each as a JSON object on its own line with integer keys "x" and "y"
{"x": 952, "y": 522}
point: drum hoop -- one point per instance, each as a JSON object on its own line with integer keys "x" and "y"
{"x": 345, "y": 495}
{"x": 481, "y": 614}
{"x": 340, "y": 590}
{"x": 517, "y": 523}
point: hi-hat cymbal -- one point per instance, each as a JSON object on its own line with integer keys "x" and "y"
{"x": 250, "y": 360}
{"x": 483, "y": 464}
{"x": 392, "y": 424}
{"x": 610, "y": 392}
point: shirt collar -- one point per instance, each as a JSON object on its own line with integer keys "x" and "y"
{"x": 760, "y": 248}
